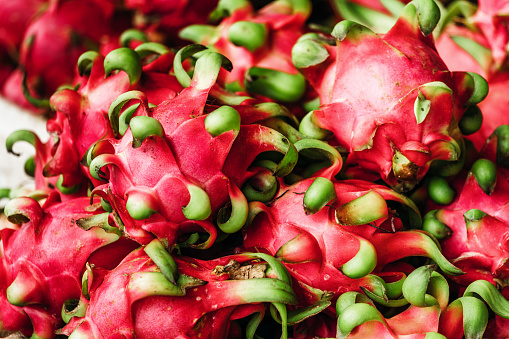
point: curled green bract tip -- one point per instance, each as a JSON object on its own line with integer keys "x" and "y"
{"x": 485, "y": 172}
{"x": 65, "y": 189}
{"x": 238, "y": 211}
{"x": 180, "y": 73}
{"x": 363, "y": 263}
{"x": 21, "y": 135}
{"x": 251, "y": 35}
{"x": 280, "y": 86}
{"x": 22, "y": 210}
{"x": 480, "y": 89}
{"x": 85, "y": 61}
{"x": 149, "y": 48}
{"x": 140, "y": 206}
{"x": 198, "y": 207}
{"x": 132, "y": 34}
{"x": 143, "y": 127}
{"x": 308, "y": 127}
{"x": 207, "y": 69}
{"x": 124, "y": 59}
{"x": 308, "y": 52}
{"x": 73, "y": 308}
{"x": 486, "y": 291}
{"x": 356, "y": 315}
{"x": 223, "y": 119}
{"x": 360, "y": 211}
{"x": 319, "y": 194}
{"x": 471, "y": 121}
{"x": 117, "y": 105}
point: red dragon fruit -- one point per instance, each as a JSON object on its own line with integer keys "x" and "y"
{"x": 305, "y": 223}
{"x": 152, "y": 294}
{"x": 392, "y": 124}
{"x": 259, "y": 44}
{"x": 42, "y": 261}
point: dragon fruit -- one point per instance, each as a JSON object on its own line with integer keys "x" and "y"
{"x": 307, "y": 220}
{"x": 259, "y": 44}
{"x": 165, "y": 296}
{"x": 474, "y": 225}
{"x": 42, "y": 261}
{"x": 468, "y": 46}
{"x": 53, "y": 43}
{"x": 395, "y": 127}
{"x": 171, "y": 141}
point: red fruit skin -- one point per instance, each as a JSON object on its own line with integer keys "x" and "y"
{"x": 48, "y": 256}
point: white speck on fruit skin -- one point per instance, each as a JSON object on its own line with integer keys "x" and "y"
{"x": 326, "y": 277}
{"x": 198, "y": 298}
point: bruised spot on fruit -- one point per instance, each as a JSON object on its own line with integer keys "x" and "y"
{"x": 238, "y": 272}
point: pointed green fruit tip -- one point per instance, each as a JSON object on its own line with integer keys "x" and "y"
{"x": 250, "y": 35}
{"x": 307, "y": 53}
{"x": 319, "y": 194}
{"x": 124, "y": 59}
{"x": 440, "y": 192}
{"x": 223, "y": 119}
{"x": 343, "y": 28}
{"x": 473, "y": 215}
{"x": 471, "y": 121}
{"x": 485, "y": 172}
{"x": 427, "y": 14}
{"x": 139, "y": 206}
{"x": 143, "y": 127}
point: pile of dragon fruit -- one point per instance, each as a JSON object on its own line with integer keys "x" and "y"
{"x": 257, "y": 169}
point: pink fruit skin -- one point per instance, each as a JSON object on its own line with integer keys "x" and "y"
{"x": 308, "y": 244}
{"x": 370, "y": 108}
{"x": 203, "y": 312}
{"x": 47, "y": 255}
{"x": 481, "y": 249}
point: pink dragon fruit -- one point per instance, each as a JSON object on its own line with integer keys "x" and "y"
{"x": 42, "y": 261}
{"x": 53, "y": 43}
{"x": 14, "y": 19}
{"x": 152, "y": 294}
{"x": 305, "y": 223}
{"x": 394, "y": 115}
{"x": 467, "y": 46}
{"x": 192, "y": 160}
{"x": 259, "y": 44}
{"x": 429, "y": 314}
{"x": 474, "y": 226}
